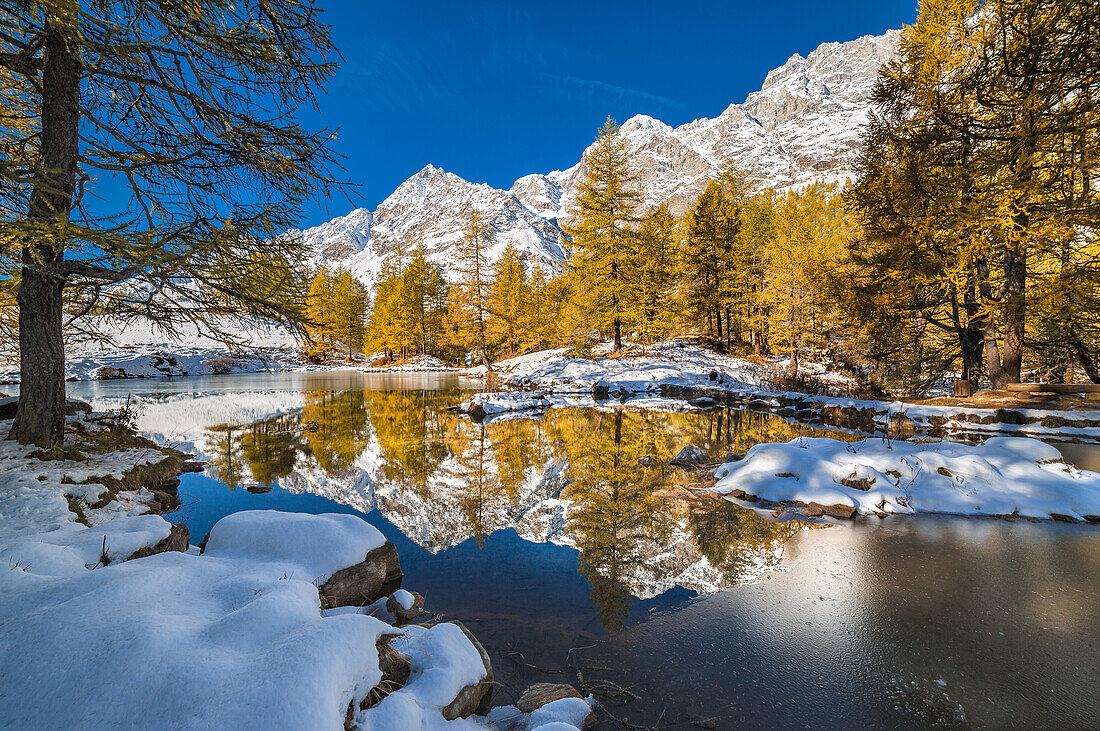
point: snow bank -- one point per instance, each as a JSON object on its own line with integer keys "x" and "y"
{"x": 1003, "y": 476}
{"x": 674, "y": 362}
{"x": 414, "y": 364}
{"x": 151, "y": 361}
{"x": 232, "y": 638}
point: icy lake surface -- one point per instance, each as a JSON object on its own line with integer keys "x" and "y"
{"x": 564, "y": 554}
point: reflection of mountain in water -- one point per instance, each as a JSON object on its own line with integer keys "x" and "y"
{"x": 572, "y": 478}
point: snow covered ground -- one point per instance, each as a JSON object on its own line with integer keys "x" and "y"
{"x": 1004, "y": 476}
{"x": 697, "y": 371}
{"x": 415, "y": 364}
{"x": 140, "y": 350}
{"x": 673, "y": 362}
{"x": 166, "y": 360}
{"x": 234, "y": 637}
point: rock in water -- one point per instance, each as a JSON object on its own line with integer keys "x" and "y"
{"x": 405, "y": 614}
{"x": 690, "y": 457}
{"x": 376, "y": 576}
{"x": 539, "y": 694}
{"x": 473, "y": 698}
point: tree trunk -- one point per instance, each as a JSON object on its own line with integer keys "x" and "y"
{"x": 998, "y": 378}
{"x": 618, "y": 345}
{"x": 40, "y": 415}
{"x": 1084, "y": 357}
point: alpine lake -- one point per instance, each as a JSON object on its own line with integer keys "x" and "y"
{"x": 577, "y": 554}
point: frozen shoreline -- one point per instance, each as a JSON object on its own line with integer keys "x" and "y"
{"x": 1003, "y": 477}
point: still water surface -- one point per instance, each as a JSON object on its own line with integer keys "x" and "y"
{"x": 564, "y": 554}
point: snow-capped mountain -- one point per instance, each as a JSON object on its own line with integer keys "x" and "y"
{"x": 803, "y": 126}
{"x": 430, "y": 209}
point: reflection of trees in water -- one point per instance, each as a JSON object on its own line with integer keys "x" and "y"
{"x": 411, "y": 427}
{"x": 271, "y": 451}
{"x": 226, "y": 459}
{"x": 471, "y": 450}
{"x": 619, "y": 516}
{"x": 733, "y": 539}
{"x": 339, "y": 428}
{"x": 614, "y": 511}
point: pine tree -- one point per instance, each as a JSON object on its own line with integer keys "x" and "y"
{"x": 508, "y": 298}
{"x": 423, "y": 302}
{"x": 385, "y": 324}
{"x": 655, "y": 311}
{"x": 604, "y": 244}
{"x": 319, "y": 306}
{"x": 470, "y": 303}
{"x": 348, "y": 311}
{"x": 708, "y": 248}
{"x": 195, "y": 109}
{"x": 975, "y": 177}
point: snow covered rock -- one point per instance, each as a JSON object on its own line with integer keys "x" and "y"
{"x": 1004, "y": 476}
{"x": 375, "y": 576}
{"x": 669, "y": 363}
{"x": 473, "y": 697}
{"x": 485, "y": 405}
{"x": 405, "y": 606}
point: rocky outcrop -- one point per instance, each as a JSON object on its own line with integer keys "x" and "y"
{"x": 690, "y": 456}
{"x": 376, "y": 576}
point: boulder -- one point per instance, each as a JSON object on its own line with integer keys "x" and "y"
{"x": 473, "y": 699}
{"x": 404, "y": 614}
{"x": 703, "y": 402}
{"x": 690, "y": 457}
{"x": 376, "y": 576}
{"x": 539, "y": 694}
{"x": 846, "y": 512}
{"x": 178, "y": 540}
{"x": 645, "y": 460}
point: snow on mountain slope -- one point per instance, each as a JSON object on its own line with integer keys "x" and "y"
{"x": 801, "y": 127}
{"x": 431, "y": 209}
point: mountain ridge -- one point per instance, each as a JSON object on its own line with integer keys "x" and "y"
{"x": 802, "y": 126}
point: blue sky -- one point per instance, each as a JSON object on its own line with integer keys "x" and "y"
{"x": 492, "y": 91}
{"x": 495, "y": 90}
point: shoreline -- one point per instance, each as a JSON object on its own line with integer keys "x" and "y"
{"x": 88, "y": 549}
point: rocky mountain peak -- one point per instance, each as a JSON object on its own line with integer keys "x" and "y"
{"x": 802, "y": 126}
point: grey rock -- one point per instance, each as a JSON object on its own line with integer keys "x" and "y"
{"x": 177, "y": 540}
